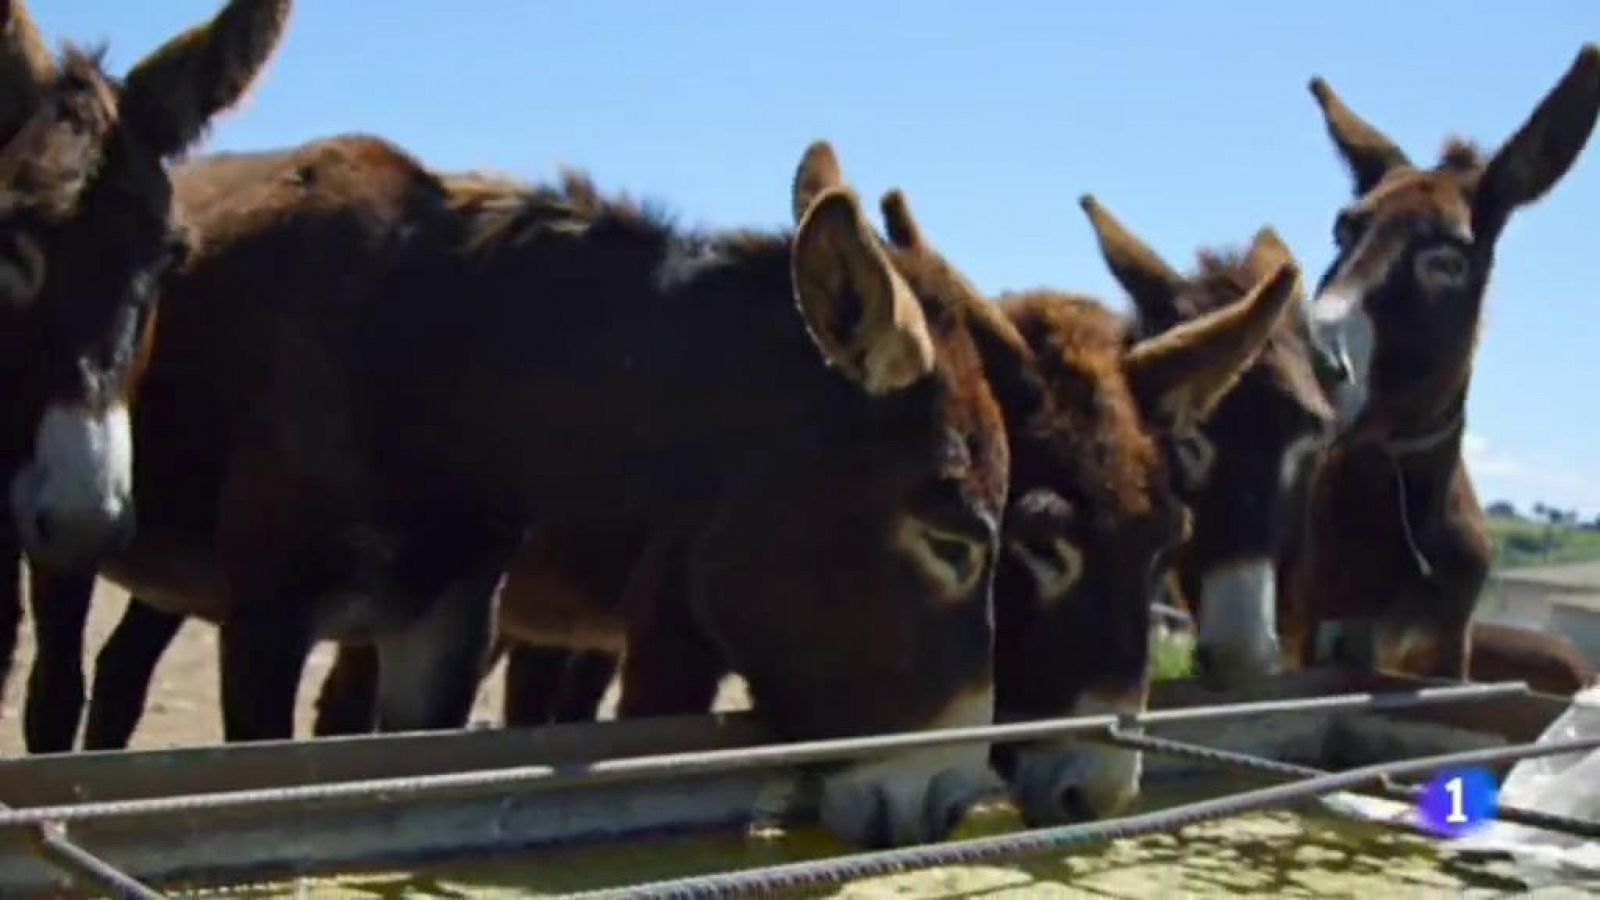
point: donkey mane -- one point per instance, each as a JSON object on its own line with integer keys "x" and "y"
{"x": 52, "y": 176}
{"x": 504, "y": 214}
{"x": 506, "y": 210}
{"x": 1461, "y": 156}
{"x": 1078, "y": 345}
{"x": 81, "y": 67}
{"x": 1221, "y": 277}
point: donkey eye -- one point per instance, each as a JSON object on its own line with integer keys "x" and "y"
{"x": 1346, "y": 231}
{"x": 954, "y": 561}
{"x": 952, "y": 551}
{"x": 175, "y": 251}
{"x": 21, "y": 269}
{"x": 1195, "y": 455}
{"x": 1055, "y": 564}
{"x": 1442, "y": 266}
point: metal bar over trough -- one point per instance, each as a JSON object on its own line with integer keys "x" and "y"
{"x": 1043, "y": 840}
{"x": 716, "y": 762}
{"x": 245, "y": 811}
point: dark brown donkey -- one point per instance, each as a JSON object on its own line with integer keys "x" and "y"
{"x": 447, "y": 363}
{"x": 87, "y": 227}
{"x": 1088, "y": 547}
{"x": 1243, "y": 472}
{"x": 1089, "y": 415}
{"x": 1396, "y": 550}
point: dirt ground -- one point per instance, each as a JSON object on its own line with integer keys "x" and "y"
{"x": 183, "y": 708}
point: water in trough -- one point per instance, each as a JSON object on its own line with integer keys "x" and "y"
{"x": 1293, "y": 853}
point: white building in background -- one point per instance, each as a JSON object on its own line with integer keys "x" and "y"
{"x": 1562, "y": 599}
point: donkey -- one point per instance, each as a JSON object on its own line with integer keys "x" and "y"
{"x": 90, "y": 229}
{"x": 378, "y": 450}
{"x": 1089, "y": 418}
{"x": 1089, "y": 548}
{"x": 1396, "y": 550}
{"x": 1243, "y": 472}
{"x": 1244, "y": 475}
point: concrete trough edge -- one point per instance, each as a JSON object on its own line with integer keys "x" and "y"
{"x": 243, "y": 845}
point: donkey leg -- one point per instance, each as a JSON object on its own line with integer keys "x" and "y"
{"x": 10, "y": 602}
{"x": 60, "y": 605}
{"x": 263, "y": 655}
{"x": 670, "y": 667}
{"x": 348, "y": 702}
{"x": 589, "y": 673}
{"x": 123, "y": 671}
{"x": 534, "y": 677}
{"x": 430, "y": 669}
{"x": 349, "y": 697}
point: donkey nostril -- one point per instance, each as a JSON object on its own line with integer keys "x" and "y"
{"x": 1074, "y": 807}
{"x": 879, "y": 832}
{"x": 123, "y": 535}
{"x": 949, "y": 819}
{"x": 43, "y": 525}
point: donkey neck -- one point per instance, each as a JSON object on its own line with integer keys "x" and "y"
{"x": 1413, "y": 471}
{"x": 611, "y": 364}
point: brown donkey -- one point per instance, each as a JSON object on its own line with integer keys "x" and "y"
{"x": 1092, "y": 516}
{"x": 451, "y": 362}
{"x": 1396, "y": 550}
{"x": 1243, "y": 472}
{"x": 1088, "y": 542}
{"x": 89, "y": 229}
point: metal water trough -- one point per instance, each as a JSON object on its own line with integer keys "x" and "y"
{"x": 304, "y": 812}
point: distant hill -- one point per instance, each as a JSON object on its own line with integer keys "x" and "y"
{"x": 1519, "y": 542}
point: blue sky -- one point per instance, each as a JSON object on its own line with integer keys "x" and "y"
{"x": 1190, "y": 120}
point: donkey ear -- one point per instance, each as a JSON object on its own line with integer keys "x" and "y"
{"x": 1267, "y": 252}
{"x": 174, "y": 92}
{"x": 1544, "y": 148}
{"x": 904, "y": 232}
{"x": 1369, "y": 154}
{"x": 1181, "y": 376}
{"x": 1153, "y": 285}
{"x": 26, "y": 66}
{"x": 1008, "y": 361}
{"x": 819, "y": 171}
{"x": 861, "y": 313}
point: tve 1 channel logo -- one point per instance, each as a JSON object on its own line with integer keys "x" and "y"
{"x": 1458, "y": 802}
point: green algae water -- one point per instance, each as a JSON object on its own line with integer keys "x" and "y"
{"x": 1299, "y": 853}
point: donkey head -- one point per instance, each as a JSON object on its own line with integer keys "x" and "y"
{"x": 86, "y": 229}
{"x": 1241, "y": 473}
{"x": 882, "y": 511}
{"x": 1400, "y": 304}
{"x": 1092, "y": 513}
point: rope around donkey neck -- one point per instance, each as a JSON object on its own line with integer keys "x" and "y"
{"x": 1396, "y": 448}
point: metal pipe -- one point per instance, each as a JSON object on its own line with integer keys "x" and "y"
{"x": 680, "y": 765}
{"x": 1172, "y": 613}
{"x": 1532, "y": 818}
{"x": 1346, "y": 702}
{"x": 85, "y": 867}
{"x": 815, "y": 873}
